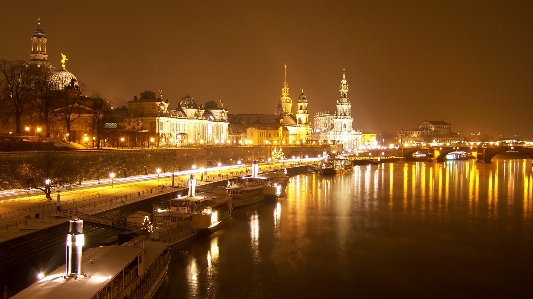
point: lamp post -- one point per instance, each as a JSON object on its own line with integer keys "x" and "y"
{"x": 47, "y": 188}
{"x": 158, "y": 171}
{"x": 39, "y": 133}
{"x": 112, "y": 177}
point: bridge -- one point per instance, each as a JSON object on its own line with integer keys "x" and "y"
{"x": 482, "y": 154}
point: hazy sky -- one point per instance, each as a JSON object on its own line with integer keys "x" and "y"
{"x": 468, "y": 62}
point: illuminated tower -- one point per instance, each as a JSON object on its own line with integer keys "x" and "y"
{"x": 343, "y": 120}
{"x": 285, "y": 101}
{"x": 344, "y": 107}
{"x": 302, "y": 116}
{"x": 38, "y": 46}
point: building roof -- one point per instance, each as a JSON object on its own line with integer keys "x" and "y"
{"x": 438, "y": 122}
{"x": 101, "y": 264}
{"x": 254, "y": 119}
{"x": 39, "y": 31}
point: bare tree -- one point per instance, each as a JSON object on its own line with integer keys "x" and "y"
{"x": 16, "y": 87}
{"x": 42, "y": 92}
{"x": 45, "y": 171}
{"x": 68, "y": 108}
{"x": 99, "y": 107}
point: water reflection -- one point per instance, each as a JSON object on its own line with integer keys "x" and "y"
{"x": 254, "y": 235}
{"x": 384, "y": 231}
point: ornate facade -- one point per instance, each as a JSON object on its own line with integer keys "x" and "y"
{"x": 187, "y": 124}
{"x": 282, "y": 128}
{"x": 337, "y": 127}
{"x": 429, "y": 131}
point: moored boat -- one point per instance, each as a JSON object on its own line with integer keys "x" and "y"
{"x": 201, "y": 213}
{"x": 133, "y": 270}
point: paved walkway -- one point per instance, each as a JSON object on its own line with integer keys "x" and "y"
{"x": 29, "y": 213}
{"x": 23, "y": 215}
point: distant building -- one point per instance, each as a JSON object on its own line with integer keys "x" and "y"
{"x": 187, "y": 124}
{"x": 282, "y": 128}
{"x": 428, "y": 132}
{"x": 369, "y": 139}
{"x": 336, "y": 128}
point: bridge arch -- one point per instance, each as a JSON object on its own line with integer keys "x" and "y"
{"x": 485, "y": 155}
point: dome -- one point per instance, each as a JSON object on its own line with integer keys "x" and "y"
{"x": 187, "y": 102}
{"x": 63, "y": 79}
{"x": 39, "y": 31}
{"x": 302, "y": 97}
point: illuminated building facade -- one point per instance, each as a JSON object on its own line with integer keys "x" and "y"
{"x": 429, "y": 131}
{"x": 187, "y": 124}
{"x": 282, "y": 128}
{"x": 336, "y": 128}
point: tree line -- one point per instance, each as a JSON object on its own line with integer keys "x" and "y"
{"x": 50, "y": 170}
{"x": 30, "y": 95}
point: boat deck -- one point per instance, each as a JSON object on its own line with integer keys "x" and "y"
{"x": 102, "y": 267}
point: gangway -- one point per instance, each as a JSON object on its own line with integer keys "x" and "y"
{"x": 104, "y": 222}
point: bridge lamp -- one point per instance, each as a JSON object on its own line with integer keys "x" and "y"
{"x": 158, "y": 171}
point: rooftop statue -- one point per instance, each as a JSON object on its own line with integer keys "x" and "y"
{"x": 63, "y": 60}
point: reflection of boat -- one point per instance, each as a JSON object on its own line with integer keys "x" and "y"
{"x": 133, "y": 270}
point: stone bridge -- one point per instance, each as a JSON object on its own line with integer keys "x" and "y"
{"x": 485, "y": 154}
{"x": 481, "y": 154}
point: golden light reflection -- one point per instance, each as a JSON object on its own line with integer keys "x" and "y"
{"x": 431, "y": 187}
{"x": 192, "y": 274}
{"x": 277, "y": 218}
{"x": 423, "y": 188}
{"x": 254, "y": 235}
{"x": 405, "y": 185}
{"x": 528, "y": 199}
{"x": 391, "y": 185}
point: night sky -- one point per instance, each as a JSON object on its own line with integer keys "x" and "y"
{"x": 469, "y": 63}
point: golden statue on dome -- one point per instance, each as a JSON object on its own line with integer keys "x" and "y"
{"x": 63, "y": 60}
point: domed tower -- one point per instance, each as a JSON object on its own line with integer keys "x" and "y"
{"x": 38, "y": 54}
{"x": 285, "y": 100}
{"x": 302, "y": 116}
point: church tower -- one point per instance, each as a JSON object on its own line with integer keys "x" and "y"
{"x": 38, "y": 54}
{"x": 285, "y": 101}
{"x": 343, "y": 120}
{"x": 344, "y": 107}
{"x": 302, "y": 116}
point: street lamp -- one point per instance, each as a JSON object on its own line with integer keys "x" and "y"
{"x": 47, "y": 188}
{"x": 158, "y": 171}
{"x": 112, "y": 177}
{"x": 39, "y": 133}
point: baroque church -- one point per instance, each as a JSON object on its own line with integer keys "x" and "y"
{"x": 147, "y": 121}
{"x": 336, "y": 128}
{"x": 71, "y": 116}
{"x": 282, "y": 128}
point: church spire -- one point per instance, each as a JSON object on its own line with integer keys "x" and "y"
{"x": 285, "y": 100}
{"x": 343, "y": 88}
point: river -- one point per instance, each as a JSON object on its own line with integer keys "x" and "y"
{"x": 398, "y": 230}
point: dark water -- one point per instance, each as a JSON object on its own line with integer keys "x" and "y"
{"x": 401, "y": 230}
